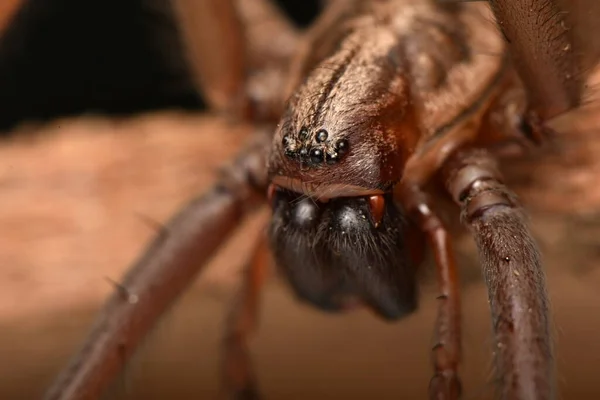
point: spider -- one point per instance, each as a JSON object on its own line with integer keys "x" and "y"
{"x": 361, "y": 121}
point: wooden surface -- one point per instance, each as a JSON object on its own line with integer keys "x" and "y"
{"x": 75, "y": 200}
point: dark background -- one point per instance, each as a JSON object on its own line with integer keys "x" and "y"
{"x": 65, "y": 57}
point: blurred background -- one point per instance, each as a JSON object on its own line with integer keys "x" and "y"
{"x": 102, "y": 131}
{"x": 66, "y": 57}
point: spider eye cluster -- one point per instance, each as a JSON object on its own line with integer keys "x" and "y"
{"x": 314, "y": 148}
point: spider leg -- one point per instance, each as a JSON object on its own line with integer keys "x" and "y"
{"x": 540, "y": 40}
{"x": 7, "y": 12}
{"x": 163, "y": 272}
{"x": 447, "y": 350}
{"x": 223, "y": 39}
{"x": 212, "y": 35}
{"x": 238, "y": 51}
{"x": 513, "y": 273}
{"x": 239, "y": 381}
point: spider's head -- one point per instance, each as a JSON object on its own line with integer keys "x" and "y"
{"x": 325, "y": 162}
{"x": 336, "y": 230}
{"x": 340, "y": 167}
{"x": 347, "y": 130}
{"x": 333, "y": 166}
{"x": 342, "y": 149}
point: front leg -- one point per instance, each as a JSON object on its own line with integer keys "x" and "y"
{"x": 161, "y": 274}
{"x": 238, "y": 52}
{"x": 538, "y": 34}
{"x": 8, "y": 8}
{"x": 513, "y": 273}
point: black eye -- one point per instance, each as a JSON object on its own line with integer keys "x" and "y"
{"x": 322, "y": 136}
{"x": 331, "y": 158}
{"x": 303, "y": 134}
{"x": 316, "y": 155}
{"x": 285, "y": 141}
{"x": 342, "y": 146}
{"x": 289, "y": 153}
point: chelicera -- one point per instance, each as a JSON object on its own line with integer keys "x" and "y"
{"x": 381, "y": 101}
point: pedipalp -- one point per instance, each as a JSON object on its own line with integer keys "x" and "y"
{"x": 446, "y": 352}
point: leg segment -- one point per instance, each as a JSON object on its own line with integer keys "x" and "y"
{"x": 239, "y": 381}
{"x": 160, "y": 275}
{"x": 447, "y": 350}
{"x": 213, "y": 35}
{"x": 513, "y": 273}
{"x": 7, "y": 11}
{"x": 238, "y": 51}
{"x": 539, "y": 37}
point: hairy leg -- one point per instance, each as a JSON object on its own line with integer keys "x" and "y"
{"x": 7, "y": 11}
{"x": 238, "y": 51}
{"x": 162, "y": 273}
{"x": 539, "y": 38}
{"x": 513, "y": 273}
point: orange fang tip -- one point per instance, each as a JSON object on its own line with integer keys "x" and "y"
{"x": 377, "y": 204}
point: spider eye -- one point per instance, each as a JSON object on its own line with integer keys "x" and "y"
{"x": 322, "y": 136}
{"x": 342, "y": 146}
{"x": 303, "y": 134}
{"x": 314, "y": 150}
{"x": 316, "y": 156}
